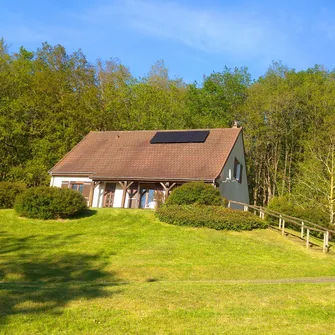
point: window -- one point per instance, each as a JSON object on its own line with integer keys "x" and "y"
{"x": 77, "y": 187}
{"x": 147, "y": 198}
{"x": 238, "y": 170}
{"x": 82, "y": 187}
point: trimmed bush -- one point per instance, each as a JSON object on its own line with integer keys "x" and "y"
{"x": 215, "y": 217}
{"x": 49, "y": 203}
{"x": 195, "y": 193}
{"x": 9, "y": 192}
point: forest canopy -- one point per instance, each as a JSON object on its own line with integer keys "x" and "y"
{"x": 50, "y": 99}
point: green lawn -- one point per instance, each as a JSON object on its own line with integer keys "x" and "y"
{"x": 124, "y": 272}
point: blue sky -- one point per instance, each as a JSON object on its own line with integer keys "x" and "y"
{"x": 192, "y": 37}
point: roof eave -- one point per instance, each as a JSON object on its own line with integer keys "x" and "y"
{"x": 67, "y": 173}
{"x": 151, "y": 179}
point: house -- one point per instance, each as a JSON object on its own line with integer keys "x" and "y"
{"x": 132, "y": 169}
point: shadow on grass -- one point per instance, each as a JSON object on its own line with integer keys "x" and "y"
{"x": 34, "y": 281}
{"x": 84, "y": 214}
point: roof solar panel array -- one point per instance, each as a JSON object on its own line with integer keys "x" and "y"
{"x": 196, "y": 136}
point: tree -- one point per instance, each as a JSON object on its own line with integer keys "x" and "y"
{"x": 216, "y": 103}
{"x": 316, "y": 180}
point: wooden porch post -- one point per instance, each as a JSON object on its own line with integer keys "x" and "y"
{"x": 138, "y": 195}
{"x": 90, "y": 197}
{"x": 125, "y": 185}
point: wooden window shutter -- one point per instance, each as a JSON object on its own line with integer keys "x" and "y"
{"x": 241, "y": 170}
{"x": 86, "y": 190}
{"x": 65, "y": 184}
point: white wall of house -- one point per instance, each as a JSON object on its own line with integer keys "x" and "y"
{"x": 118, "y": 196}
{"x": 233, "y": 190}
{"x": 57, "y": 181}
{"x": 98, "y": 195}
{"x": 99, "y": 190}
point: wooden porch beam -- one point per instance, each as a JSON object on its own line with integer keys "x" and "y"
{"x": 167, "y": 188}
{"x": 173, "y": 185}
{"x": 163, "y": 185}
{"x": 125, "y": 185}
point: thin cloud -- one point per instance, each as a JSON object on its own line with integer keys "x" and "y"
{"x": 241, "y": 34}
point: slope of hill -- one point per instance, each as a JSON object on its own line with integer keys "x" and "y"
{"x": 122, "y": 271}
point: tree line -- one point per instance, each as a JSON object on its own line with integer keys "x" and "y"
{"x": 50, "y": 99}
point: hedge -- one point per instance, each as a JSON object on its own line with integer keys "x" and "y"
{"x": 195, "y": 193}
{"x": 315, "y": 215}
{"x": 49, "y": 203}
{"x": 215, "y": 217}
{"x": 9, "y": 192}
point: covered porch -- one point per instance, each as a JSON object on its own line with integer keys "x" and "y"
{"x": 129, "y": 193}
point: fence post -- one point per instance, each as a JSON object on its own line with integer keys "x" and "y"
{"x": 260, "y": 213}
{"x": 246, "y": 208}
{"x": 307, "y": 239}
{"x": 280, "y": 218}
{"x": 283, "y": 228}
{"x": 325, "y": 241}
{"x": 302, "y": 230}
{"x": 228, "y": 204}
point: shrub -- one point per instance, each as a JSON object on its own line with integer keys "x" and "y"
{"x": 215, "y": 217}
{"x": 195, "y": 193}
{"x": 9, "y": 192}
{"x": 49, "y": 203}
{"x": 315, "y": 215}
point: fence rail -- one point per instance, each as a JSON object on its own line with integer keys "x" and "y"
{"x": 305, "y": 226}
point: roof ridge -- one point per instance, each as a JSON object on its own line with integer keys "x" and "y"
{"x": 151, "y": 130}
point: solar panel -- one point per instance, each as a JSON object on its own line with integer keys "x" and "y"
{"x": 159, "y": 137}
{"x": 187, "y": 136}
{"x": 196, "y": 136}
{"x": 200, "y": 136}
{"x": 173, "y": 137}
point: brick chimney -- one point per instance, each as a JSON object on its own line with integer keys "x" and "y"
{"x": 235, "y": 125}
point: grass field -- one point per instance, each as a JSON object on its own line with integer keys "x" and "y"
{"x": 124, "y": 272}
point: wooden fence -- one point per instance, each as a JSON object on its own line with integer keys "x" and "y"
{"x": 305, "y": 226}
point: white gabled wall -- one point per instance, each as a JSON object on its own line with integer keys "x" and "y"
{"x": 234, "y": 190}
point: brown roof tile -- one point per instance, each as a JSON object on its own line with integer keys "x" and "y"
{"x": 129, "y": 155}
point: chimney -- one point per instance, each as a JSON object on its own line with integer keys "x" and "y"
{"x": 235, "y": 125}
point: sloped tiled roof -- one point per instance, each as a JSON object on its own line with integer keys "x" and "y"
{"x": 128, "y": 155}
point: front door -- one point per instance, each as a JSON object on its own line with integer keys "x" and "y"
{"x": 109, "y": 194}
